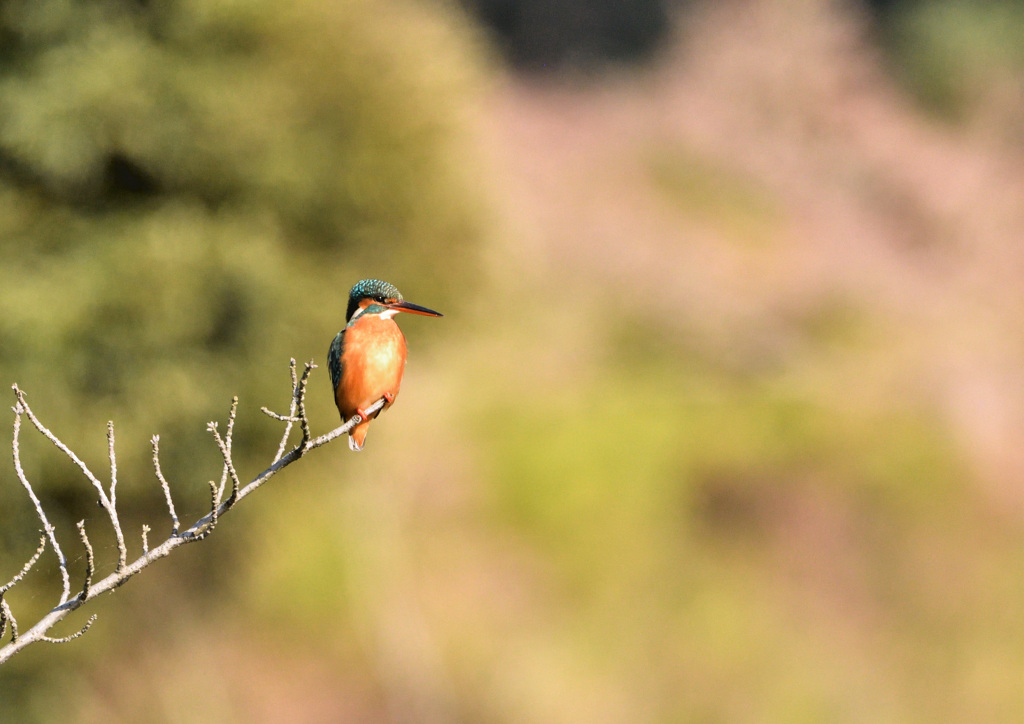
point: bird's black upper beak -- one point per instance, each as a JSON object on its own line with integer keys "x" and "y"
{"x": 414, "y": 309}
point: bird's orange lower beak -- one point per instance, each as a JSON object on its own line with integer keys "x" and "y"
{"x": 414, "y": 309}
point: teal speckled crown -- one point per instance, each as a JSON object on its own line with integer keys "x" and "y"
{"x": 376, "y": 289}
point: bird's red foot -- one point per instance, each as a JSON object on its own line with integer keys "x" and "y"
{"x": 362, "y": 414}
{"x": 389, "y": 397}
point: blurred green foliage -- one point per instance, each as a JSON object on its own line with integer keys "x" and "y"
{"x": 188, "y": 188}
{"x": 707, "y": 531}
{"x": 958, "y": 55}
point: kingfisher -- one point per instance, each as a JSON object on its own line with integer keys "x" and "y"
{"x": 367, "y": 358}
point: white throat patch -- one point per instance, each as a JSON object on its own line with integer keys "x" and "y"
{"x": 386, "y": 314}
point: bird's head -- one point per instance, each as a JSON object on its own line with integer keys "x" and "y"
{"x": 379, "y": 297}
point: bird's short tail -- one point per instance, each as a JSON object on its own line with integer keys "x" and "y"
{"x": 357, "y": 437}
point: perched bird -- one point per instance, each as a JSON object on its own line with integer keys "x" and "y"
{"x": 367, "y": 358}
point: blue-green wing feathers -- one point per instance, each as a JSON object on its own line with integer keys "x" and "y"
{"x": 334, "y": 358}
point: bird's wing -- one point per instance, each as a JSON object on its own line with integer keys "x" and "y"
{"x": 334, "y": 358}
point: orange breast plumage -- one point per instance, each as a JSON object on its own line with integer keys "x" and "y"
{"x": 372, "y": 362}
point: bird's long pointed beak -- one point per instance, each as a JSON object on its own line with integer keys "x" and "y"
{"x": 414, "y": 309}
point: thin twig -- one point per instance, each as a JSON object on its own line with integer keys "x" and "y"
{"x": 26, "y": 568}
{"x": 90, "y": 561}
{"x": 19, "y": 410}
{"x": 229, "y": 466}
{"x": 300, "y": 403}
{"x": 206, "y": 525}
{"x": 113, "y": 462}
{"x": 145, "y": 538}
{"x": 5, "y": 608}
{"x": 280, "y": 418}
{"x": 122, "y": 549}
{"x": 72, "y": 637}
{"x": 227, "y": 441}
{"x": 8, "y": 618}
{"x": 163, "y": 484}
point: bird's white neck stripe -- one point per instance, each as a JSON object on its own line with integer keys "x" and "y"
{"x": 386, "y": 314}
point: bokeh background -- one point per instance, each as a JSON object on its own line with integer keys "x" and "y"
{"x": 723, "y": 423}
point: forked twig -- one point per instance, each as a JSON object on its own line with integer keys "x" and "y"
{"x": 290, "y": 418}
{"x": 224, "y": 445}
{"x": 225, "y": 449}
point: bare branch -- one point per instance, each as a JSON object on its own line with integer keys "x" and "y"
{"x": 197, "y": 531}
{"x": 163, "y": 483}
